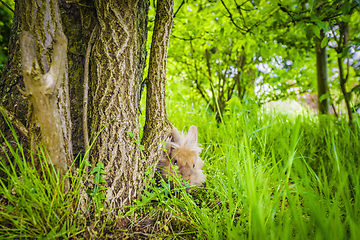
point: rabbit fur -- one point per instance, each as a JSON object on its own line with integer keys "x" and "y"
{"x": 183, "y": 151}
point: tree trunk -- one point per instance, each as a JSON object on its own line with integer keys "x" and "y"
{"x": 117, "y": 67}
{"x": 322, "y": 76}
{"x": 157, "y": 126}
{"x": 11, "y": 79}
{"x": 43, "y": 50}
{"x": 78, "y": 23}
{"x": 117, "y": 63}
{"x": 343, "y": 42}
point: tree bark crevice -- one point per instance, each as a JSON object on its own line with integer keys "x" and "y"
{"x": 117, "y": 65}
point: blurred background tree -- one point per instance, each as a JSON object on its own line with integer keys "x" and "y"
{"x": 266, "y": 51}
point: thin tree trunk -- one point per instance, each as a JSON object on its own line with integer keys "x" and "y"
{"x": 157, "y": 126}
{"x": 197, "y": 82}
{"x": 322, "y": 76}
{"x": 215, "y": 102}
{"x": 117, "y": 67}
{"x": 343, "y": 42}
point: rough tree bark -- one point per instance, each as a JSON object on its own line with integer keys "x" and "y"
{"x": 157, "y": 125}
{"x": 78, "y": 21}
{"x": 11, "y": 79}
{"x": 322, "y": 76}
{"x": 44, "y": 48}
{"x": 117, "y": 62}
{"x": 117, "y": 68}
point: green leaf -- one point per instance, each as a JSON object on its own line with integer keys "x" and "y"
{"x": 316, "y": 30}
{"x": 324, "y": 42}
{"x": 300, "y": 24}
{"x": 274, "y": 2}
{"x": 264, "y": 53}
{"x": 98, "y": 169}
{"x": 345, "y": 52}
{"x": 222, "y": 32}
{"x": 321, "y": 24}
{"x": 309, "y": 32}
{"x": 314, "y": 18}
{"x": 324, "y": 96}
{"x": 345, "y": 18}
{"x": 311, "y": 3}
{"x": 100, "y": 165}
{"x": 345, "y": 7}
{"x": 356, "y": 89}
{"x": 98, "y": 179}
{"x": 130, "y": 134}
{"x": 340, "y": 99}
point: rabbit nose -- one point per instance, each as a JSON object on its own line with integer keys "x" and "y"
{"x": 185, "y": 174}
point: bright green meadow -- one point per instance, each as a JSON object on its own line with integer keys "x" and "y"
{"x": 269, "y": 176}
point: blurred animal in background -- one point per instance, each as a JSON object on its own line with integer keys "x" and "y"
{"x": 181, "y": 157}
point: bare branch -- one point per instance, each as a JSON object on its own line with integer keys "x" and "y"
{"x": 179, "y": 8}
{"x": 231, "y": 18}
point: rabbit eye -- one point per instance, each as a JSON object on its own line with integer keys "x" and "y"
{"x": 194, "y": 165}
{"x": 175, "y": 162}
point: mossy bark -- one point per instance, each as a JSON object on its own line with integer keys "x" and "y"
{"x": 11, "y": 80}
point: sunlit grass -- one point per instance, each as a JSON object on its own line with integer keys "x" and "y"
{"x": 269, "y": 177}
{"x": 33, "y": 203}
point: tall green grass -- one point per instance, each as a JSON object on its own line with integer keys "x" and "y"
{"x": 33, "y": 203}
{"x": 268, "y": 177}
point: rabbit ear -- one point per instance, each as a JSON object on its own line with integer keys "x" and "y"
{"x": 176, "y": 136}
{"x": 192, "y": 136}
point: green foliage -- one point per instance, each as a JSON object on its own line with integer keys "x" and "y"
{"x": 269, "y": 176}
{"x": 137, "y": 141}
{"x": 5, "y": 28}
{"x": 98, "y": 192}
{"x": 273, "y": 40}
{"x": 211, "y": 57}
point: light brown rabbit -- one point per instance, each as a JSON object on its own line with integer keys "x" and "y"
{"x": 183, "y": 152}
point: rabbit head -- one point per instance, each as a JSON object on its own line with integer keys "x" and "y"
{"x": 183, "y": 152}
